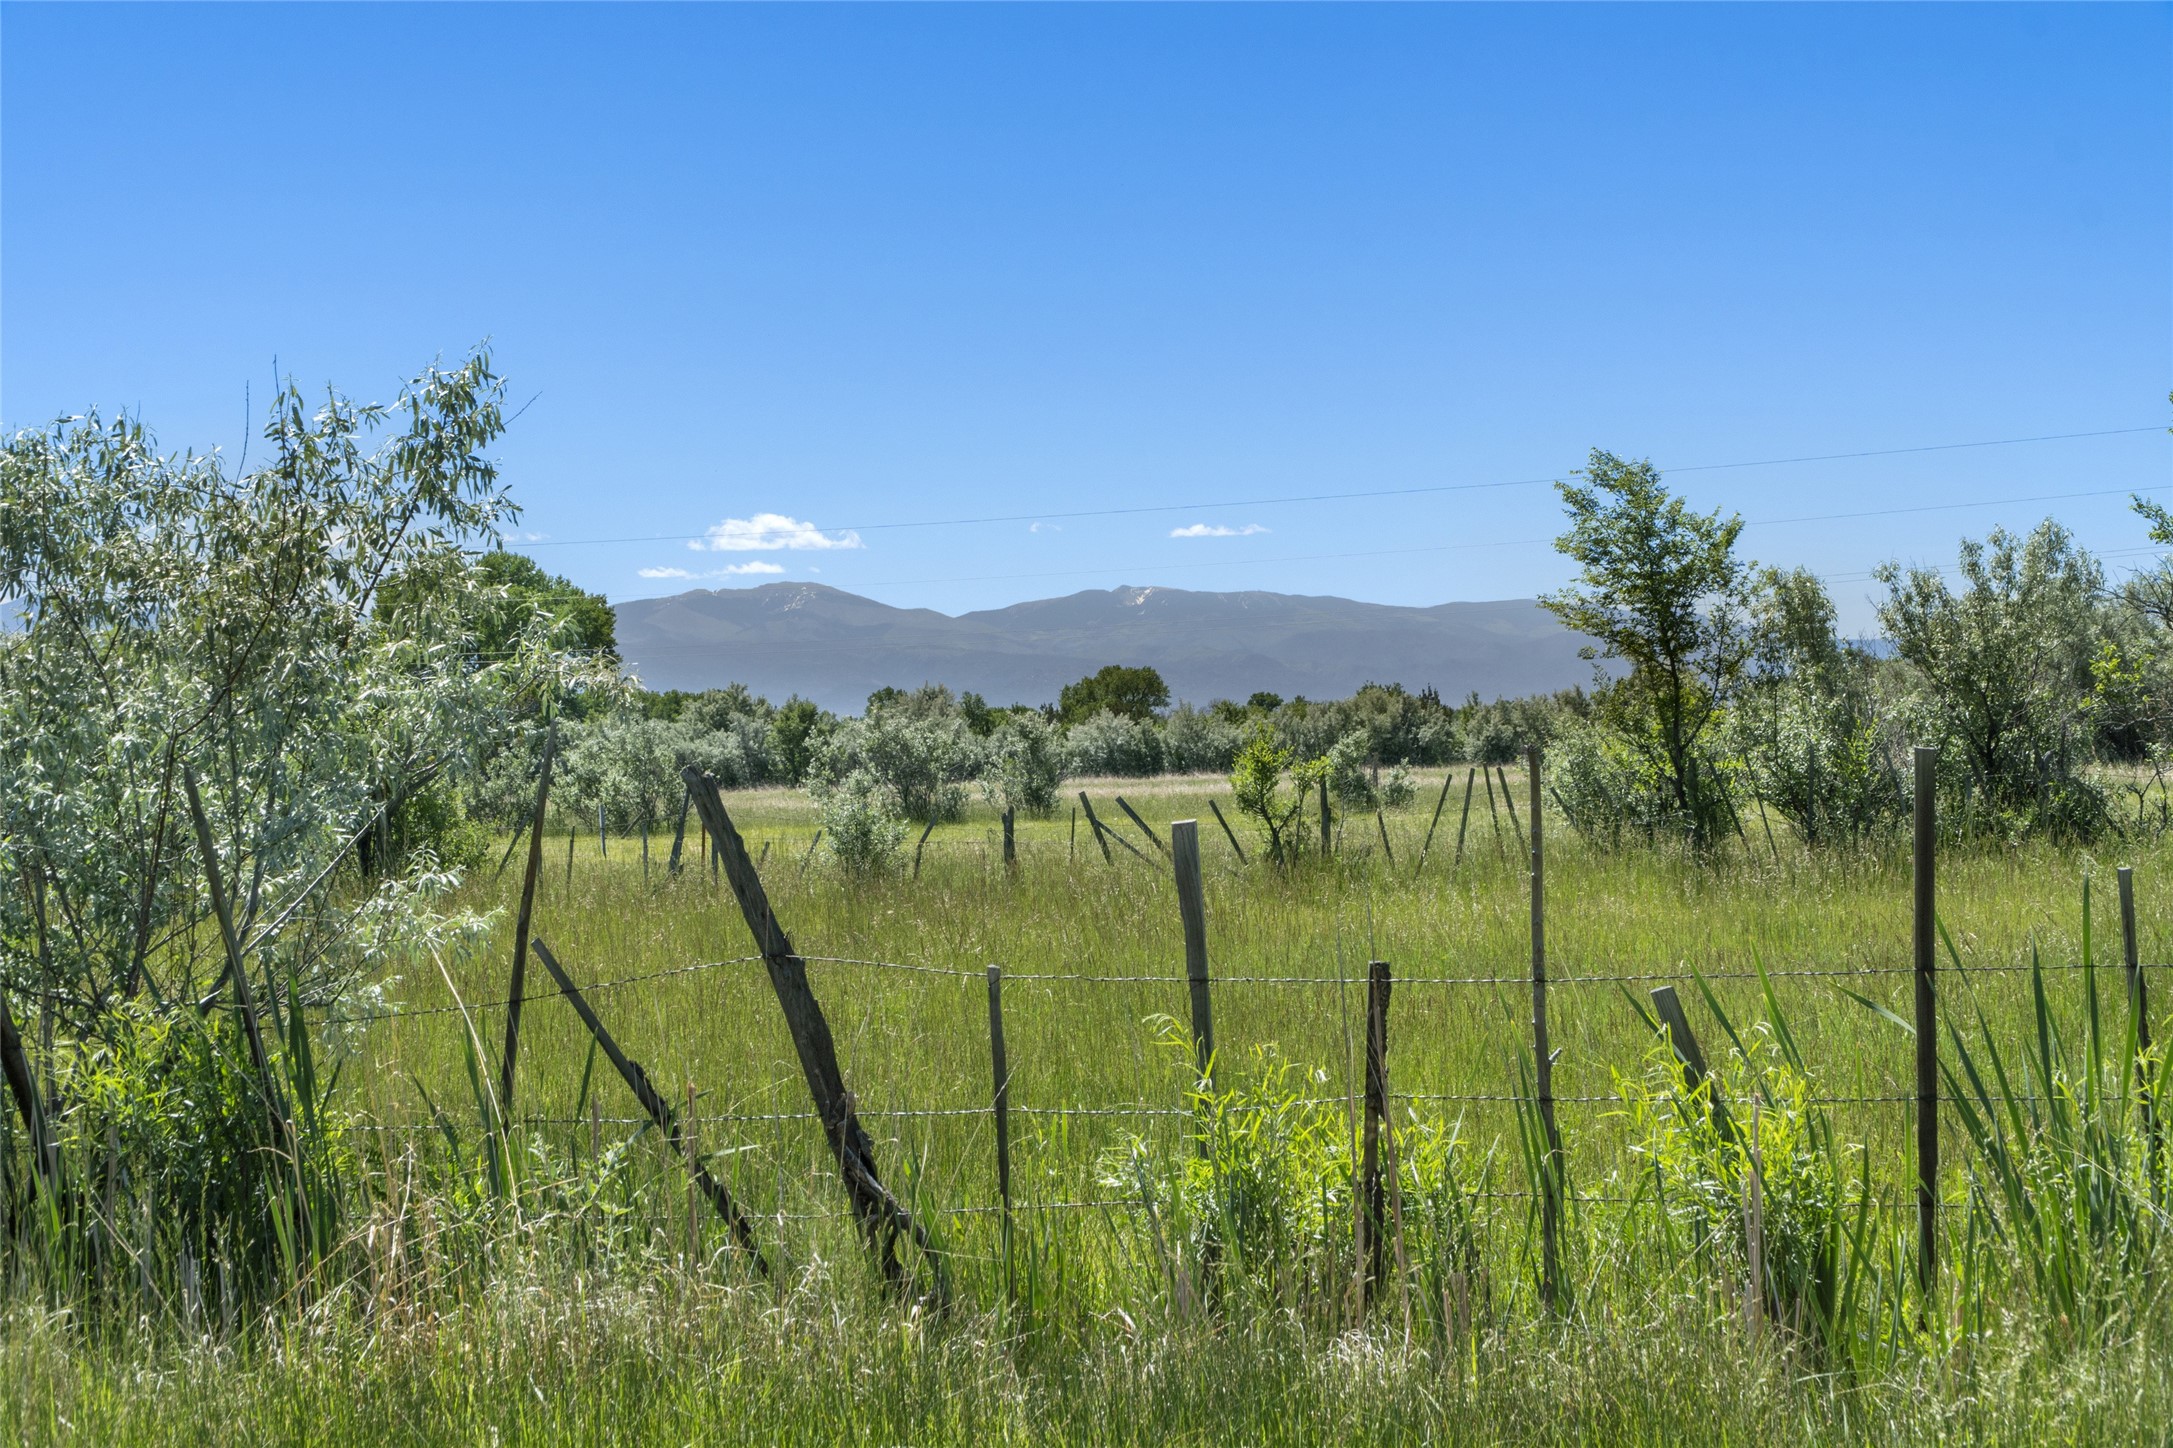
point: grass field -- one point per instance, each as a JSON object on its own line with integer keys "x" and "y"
{"x": 566, "y": 1307}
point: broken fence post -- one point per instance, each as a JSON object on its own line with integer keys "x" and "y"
{"x": 880, "y": 1214}
{"x": 660, "y": 1112}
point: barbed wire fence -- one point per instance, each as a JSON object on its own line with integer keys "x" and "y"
{"x": 1551, "y": 1188}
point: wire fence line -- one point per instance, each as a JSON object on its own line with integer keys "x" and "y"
{"x": 546, "y": 991}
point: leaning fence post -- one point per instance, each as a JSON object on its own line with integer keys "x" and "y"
{"x": 882, "y": 1217}
{"x": 1002, "y": 1109}
{"x": 1192, "y": 908}
{"x": 1447, "y": 781}
{"x": 1094, "y": 825}
{"x": 275, "y": 1102}
{"x": 679, "y": 832}
{"x": 1372, "y": 1203}
{"x": 676, "y": 1132}
{"x": 1463, "y": 825}
{"x": 1144, "y": 828}
{"x": 1511, "y": 801}
{"x": 23, "y": 1083}
{"x": 2139, "y": 1013}
{"x": 1232, "y": 834}
{"x": 1927, "y": 1025}
{"x": 521, "y": 923}
{"x": 923, "y": 844}
{"x": 1550, "y": 1175}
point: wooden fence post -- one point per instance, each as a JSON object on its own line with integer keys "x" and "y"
{"x": 1094, "y": 825}
{"x": 1326, "y": 843}
{"x": 1106, "y": 835}
{"x": 1372, "y": 1223}
{"x": 1927, "y": 1026}
{"x": 679, "y": 831}
{"x": 880, "y": 1214}
{"x": 1011, "y": 844}
{"x": 1493, "y": 810}
{"x": 923, "y": 844}
{"x": 1448, "y": 781}
{"x": 521, "y": 923}
{"x": 2139, "y": 1014}
{"x": 1000, "y": 1064}
{"x": 1550, "y": 1209}
{"x": 1144, "y": 828}
{"x": 23, "y": 1083}
{"x": 676, "y": 1131}
{"x": 1669, "y": 1007}
{"x": 275, "y": 1101}
{"x": 1231, "y": 834}
{"x": 603, "y": 834}
{"x": 1470, "y": 777}
{"x": 1381, "y": 821}
{"x": 1510, "y": 801}
{"x": 572, "y": 833}
{"x": 1192, "y": 908}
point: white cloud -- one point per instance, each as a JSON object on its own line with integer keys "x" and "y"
{"x": 1044, "y": 527}
{"x": 766, "y": 532}
{"x": 1216, "y": 530}
{"x": 730, "y": 570}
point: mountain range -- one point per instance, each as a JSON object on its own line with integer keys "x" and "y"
{"x": 836, "y": 648}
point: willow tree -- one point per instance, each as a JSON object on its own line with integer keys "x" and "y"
{"x": 172, "y": 616}
{"x": 1661, "y": 589}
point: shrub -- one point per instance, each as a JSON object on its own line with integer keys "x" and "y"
{"x": 1024, "y": 765}
{"x": 863, "y": 823}
{"x": 1194, "y": 742}
{"x": 1110, "y": 743}
{"x": 926, "y": 762}
{"x": 1271, "y": 788}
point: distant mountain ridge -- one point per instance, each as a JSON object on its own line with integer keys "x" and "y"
{"x": 836, "y": 648}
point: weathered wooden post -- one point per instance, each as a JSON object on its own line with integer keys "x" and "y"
{"x": 1192, "y": 909}
{"x": 603, "y": 834}
{"x": 1011, "y": 844}
{"x": 1381, "y": 822}
{"x": 1448, "y": 780}
{"x": 1001, "y": 1066}
{"x": 1510, "y": 801}
{"x": 1926, "y": 934}
{"x": 1372, "y": 1223}
{"x": 880, "y": 1214}
{"x": 2139, "y": 1014}
{"x": 1144, "y": 828}
{"x": 1463, "y": 825}
{"x": 1550, "y": 1172}
{"x": 1094, "y": 825}
{"x": 679, "y": 832}
{"x": 275, "y": 1100}
{"x": 923, "y": 844}
{"x": 1231, "y": 834}
{"x": 573, "y": 832}
{"x": 521, "y": 923}
{"x": 1326, "y": 843}
{"x": 676, "y": 1132}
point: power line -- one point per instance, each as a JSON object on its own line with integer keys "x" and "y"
{"x": 1352, "y": 496}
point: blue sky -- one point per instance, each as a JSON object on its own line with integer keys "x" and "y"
{"x": 853, "y": 267}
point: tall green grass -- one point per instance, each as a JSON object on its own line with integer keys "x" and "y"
{"x": 1738, "y": 1254}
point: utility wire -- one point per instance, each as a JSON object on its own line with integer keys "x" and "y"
{"x": 1356, "y": 495}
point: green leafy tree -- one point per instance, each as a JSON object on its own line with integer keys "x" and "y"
{"x": 1272, "y": 788}
{"x": 2003, "y": 673}
{"x": 1134, "y": 693}
{"x": 1662, "y": 590}
{"x": 795, "y": 733}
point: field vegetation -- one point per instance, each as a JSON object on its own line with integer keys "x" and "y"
{"x": 274, "y": 743}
